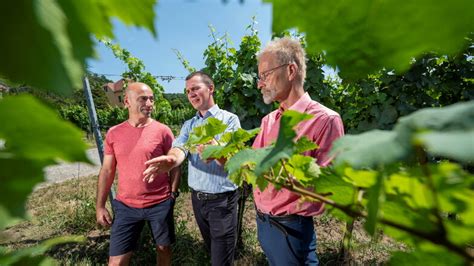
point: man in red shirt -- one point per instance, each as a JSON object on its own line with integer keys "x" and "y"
{"x": 127, "y": 147}
{"x": 285, "y": 226}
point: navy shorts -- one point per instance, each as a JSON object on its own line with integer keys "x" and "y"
{"x": 128, "y": 224}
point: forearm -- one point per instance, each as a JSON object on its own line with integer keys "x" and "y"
{"x": 175, "y": 178}
{"x": 104, "y": 183}
{"x": 179, "y": 156}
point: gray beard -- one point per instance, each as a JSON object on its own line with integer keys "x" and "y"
{"x": 269, "y": 97}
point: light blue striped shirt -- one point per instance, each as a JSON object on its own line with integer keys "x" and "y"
{"x": 207, "y": 177}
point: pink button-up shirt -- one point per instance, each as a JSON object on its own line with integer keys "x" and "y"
{"x": 325, "y": 127}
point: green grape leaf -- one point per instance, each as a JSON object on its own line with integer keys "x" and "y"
{"x": 247, "y": 159}
{"x": 62, "y": 33}
{"x": 377, "y": 148}
{"x": 303, "y": 168}
{"x": 397, "y": 211}
{"x": 441, "y": 129}
{"x": 458, "y": 145}
{"x": 420, "y": 257}
{"x": 234, "y": 142}
{"x": 339, "y": 191}
{"x": 206, "y": 132}
{"x": 376, "y": 198}
{"x": 17, "y": 183}
{"x": 284, "y": 146}
{"x": 38, "y": 132}
{"x": 304, "y": 144}
{"x": 360, "y": 178}
{"x": 135, "y": 13}
{"x": 35, "y": 254}
{"x": 407, "y": 187}
{"x": 376, "y": 34}
{"x": 215, "y": 152}
{"x": 367, "y": 150}
{"x": 455, "y": 194}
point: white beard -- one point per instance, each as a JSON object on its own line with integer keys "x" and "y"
{"x": 269, "y": 96}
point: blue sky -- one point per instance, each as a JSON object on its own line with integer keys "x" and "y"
{"x": 183, "y": 25}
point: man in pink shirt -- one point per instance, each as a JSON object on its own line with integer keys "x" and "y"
{"x": 127, "y": 147}
{"x": 285, "y": 226}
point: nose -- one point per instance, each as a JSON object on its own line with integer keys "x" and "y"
{"x": 260, "y": 84}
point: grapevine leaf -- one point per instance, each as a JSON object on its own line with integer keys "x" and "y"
{"x": 340, "y": 191}
{"x": 35, "y": 253}
{"x": 455, "y": 194}
{"x": 284, "y": 146}
{"x": 205, "y": 133}
{"x": 376, "y": 147}
{"x": 420, "y": 257}
{"x": 397, "y": 211}
{"x": 376, "y": 197}
{"x": 235, "y": 140}
{"x": 18, "y": 182}
{"x": 61, "y": 32}
{"x": 247, "y": 159}
{"x": 458, "y": 145}
{"x": 376, "y": 34}
{"x": 214, "y": 152}
{"x": 303, "y": 168}
{"x": 360, "y": 178}
{"x": 139, "y": 13}
{"x": 38, "y": 133}
{"x": 407, "y": 187}
{"x": 304, "y": 144}
{"x": 369, "y": 149}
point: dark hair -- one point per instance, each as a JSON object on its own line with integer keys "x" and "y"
{"x": 204, "y": 77}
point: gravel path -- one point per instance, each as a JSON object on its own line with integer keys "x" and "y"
{"x": 64, "y": 171}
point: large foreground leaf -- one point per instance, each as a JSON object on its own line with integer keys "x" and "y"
{"x": 31, "y": 130}
{"x": 363, "y": 36}
{"x": 49, "y": 41}
{"x": 34, "y": 138}
{"x": 443, "y": 131}
{"x": 35, "y": 255}
{"x": 369, "y": 149}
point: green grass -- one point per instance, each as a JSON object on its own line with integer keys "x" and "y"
{"x": 69, "y": 208}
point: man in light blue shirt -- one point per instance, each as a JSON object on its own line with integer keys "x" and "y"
{"x": 214, "y": 196}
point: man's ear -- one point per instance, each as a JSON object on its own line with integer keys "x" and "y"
{"x": 292, "y": 71}
{"x": 126, "y": 101}
{"x": 211, "y": 89}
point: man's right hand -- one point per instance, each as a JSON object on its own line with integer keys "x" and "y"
{"x": 158, "y": 165}
{"x": 103, "y": 217}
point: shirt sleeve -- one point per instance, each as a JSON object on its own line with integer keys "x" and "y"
{"x": 183, "y": 137}
{"x": 168, "y": 139}
{"x": 332, "y": 130}
{"x": 108, "y": 147}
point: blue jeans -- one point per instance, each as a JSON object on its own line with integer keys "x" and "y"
{"x": 287, "y": 240}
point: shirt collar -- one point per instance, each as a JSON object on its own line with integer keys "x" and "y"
{"x": 211, "y": 112}
{"x": 301, "y": 105}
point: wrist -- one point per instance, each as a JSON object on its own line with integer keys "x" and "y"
{"x": 174, "y": 194}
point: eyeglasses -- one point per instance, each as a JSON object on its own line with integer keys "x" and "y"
{"x": 264, "y": 75}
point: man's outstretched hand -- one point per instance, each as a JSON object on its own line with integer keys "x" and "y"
{"x": 158, "y": 165}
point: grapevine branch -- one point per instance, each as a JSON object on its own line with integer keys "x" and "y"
{"x": 441, "y": 240}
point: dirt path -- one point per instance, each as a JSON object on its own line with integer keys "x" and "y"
{"x": 65, "y": 171}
